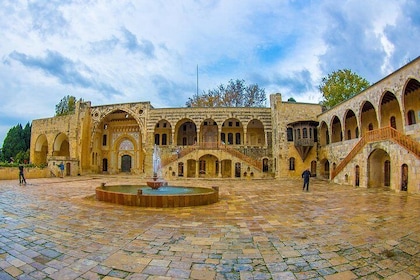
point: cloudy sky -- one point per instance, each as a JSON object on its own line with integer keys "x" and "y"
{"x": 141, "y": 50}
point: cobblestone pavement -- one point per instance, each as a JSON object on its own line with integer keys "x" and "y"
{"x": 261, "y": 229}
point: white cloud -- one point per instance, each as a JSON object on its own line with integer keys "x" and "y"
{"x": 124, "y": 51}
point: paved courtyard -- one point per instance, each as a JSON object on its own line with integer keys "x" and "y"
{"x": 261, "y": 229}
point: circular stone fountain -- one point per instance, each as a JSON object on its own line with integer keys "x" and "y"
{"x": 164, "y": 197}
{"x": 157, "y": 193}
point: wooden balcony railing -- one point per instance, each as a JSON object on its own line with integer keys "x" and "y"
{"x": 307, "y": 142}
{"x": 381, "y": 134}
{"x": 212, "y": 146}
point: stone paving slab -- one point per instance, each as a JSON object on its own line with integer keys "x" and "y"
{"x": 260, "y": 229}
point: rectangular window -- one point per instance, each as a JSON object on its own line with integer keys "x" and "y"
{"x": 292, "y": 163}
{"x": 104, "y": 140}
{"x": 289, "y": 134}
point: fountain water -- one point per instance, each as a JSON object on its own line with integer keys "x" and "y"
{"x": 157, "y": 180}
{"x": 157, "y": 193}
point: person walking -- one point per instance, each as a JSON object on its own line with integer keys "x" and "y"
{"x": 306, "y": 175}
{"x": 61, "y": 167}
{"x": 22, "y": 179}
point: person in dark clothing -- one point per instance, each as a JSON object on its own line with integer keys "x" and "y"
{"x": 22, "y": 179}
{"x": 306, "y": 175}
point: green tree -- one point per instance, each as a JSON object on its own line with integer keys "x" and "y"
{"x": 17, "y": 143}
{"x": 66, "y": 106}
{"x": 235, "y": 94}
{"x": 291, "y": 99}
{"x": 341, "y": 85}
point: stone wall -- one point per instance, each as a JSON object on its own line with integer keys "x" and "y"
{"x": 12, "y": 173}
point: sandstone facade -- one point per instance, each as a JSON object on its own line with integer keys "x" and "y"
{"x": 370, "y": 140}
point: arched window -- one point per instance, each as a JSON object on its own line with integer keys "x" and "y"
{"x": 411, "y": 117}
{"x": 370, "y": 127}
{"x": 393, "y": 122}
{"x": 298, "y": 133}
{"x": 305, "y": 132}
{"x": 157, "y": 139}
{"x": 292, "y": 163}
{"x": 357, "y": 132}
{"x": 223, "y": 137}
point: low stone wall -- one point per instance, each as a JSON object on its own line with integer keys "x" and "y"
{"x": 158, "y": 201}
{"x": 11, "y": 173}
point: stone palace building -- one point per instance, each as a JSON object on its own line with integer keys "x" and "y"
{"x": 370, "y": 140}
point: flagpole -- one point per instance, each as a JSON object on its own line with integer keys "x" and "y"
{"x": 197, "y": 79}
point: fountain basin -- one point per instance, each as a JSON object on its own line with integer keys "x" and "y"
{"x": 156, "y": 183}
{"x": 164, "y": 197}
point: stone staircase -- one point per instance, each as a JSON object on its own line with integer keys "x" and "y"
{"x": 381, "y": 134}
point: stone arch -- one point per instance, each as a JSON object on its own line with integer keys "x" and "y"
{"x": 350, "y": 125}
{"x": 209, "y": 132}
{"x": 324, "y": 136}
{"x": 208, "y": 166}
{"x": 411, "y": 102}
{"x": 41, "y": 150}
{"x": 116, "y": 125}
{"x": 255, "y": 133}
{"x": 125, "y": 148}
{"x": 61, "y": 145}
{"x": 231, "y": 128}
{"x": 163, "y": 133}
{"x": 379, "y": 164}
{"x": 119, "y": 118}
{"x": 336, "y": 130}
{"x": 368, "y": 117}
{"x": 390, "y": 113}
{"x": 186, "y": 132}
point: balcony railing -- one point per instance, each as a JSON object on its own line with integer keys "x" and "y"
{"x": 306, "y": 142}
{"x": 381, "y": 134}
